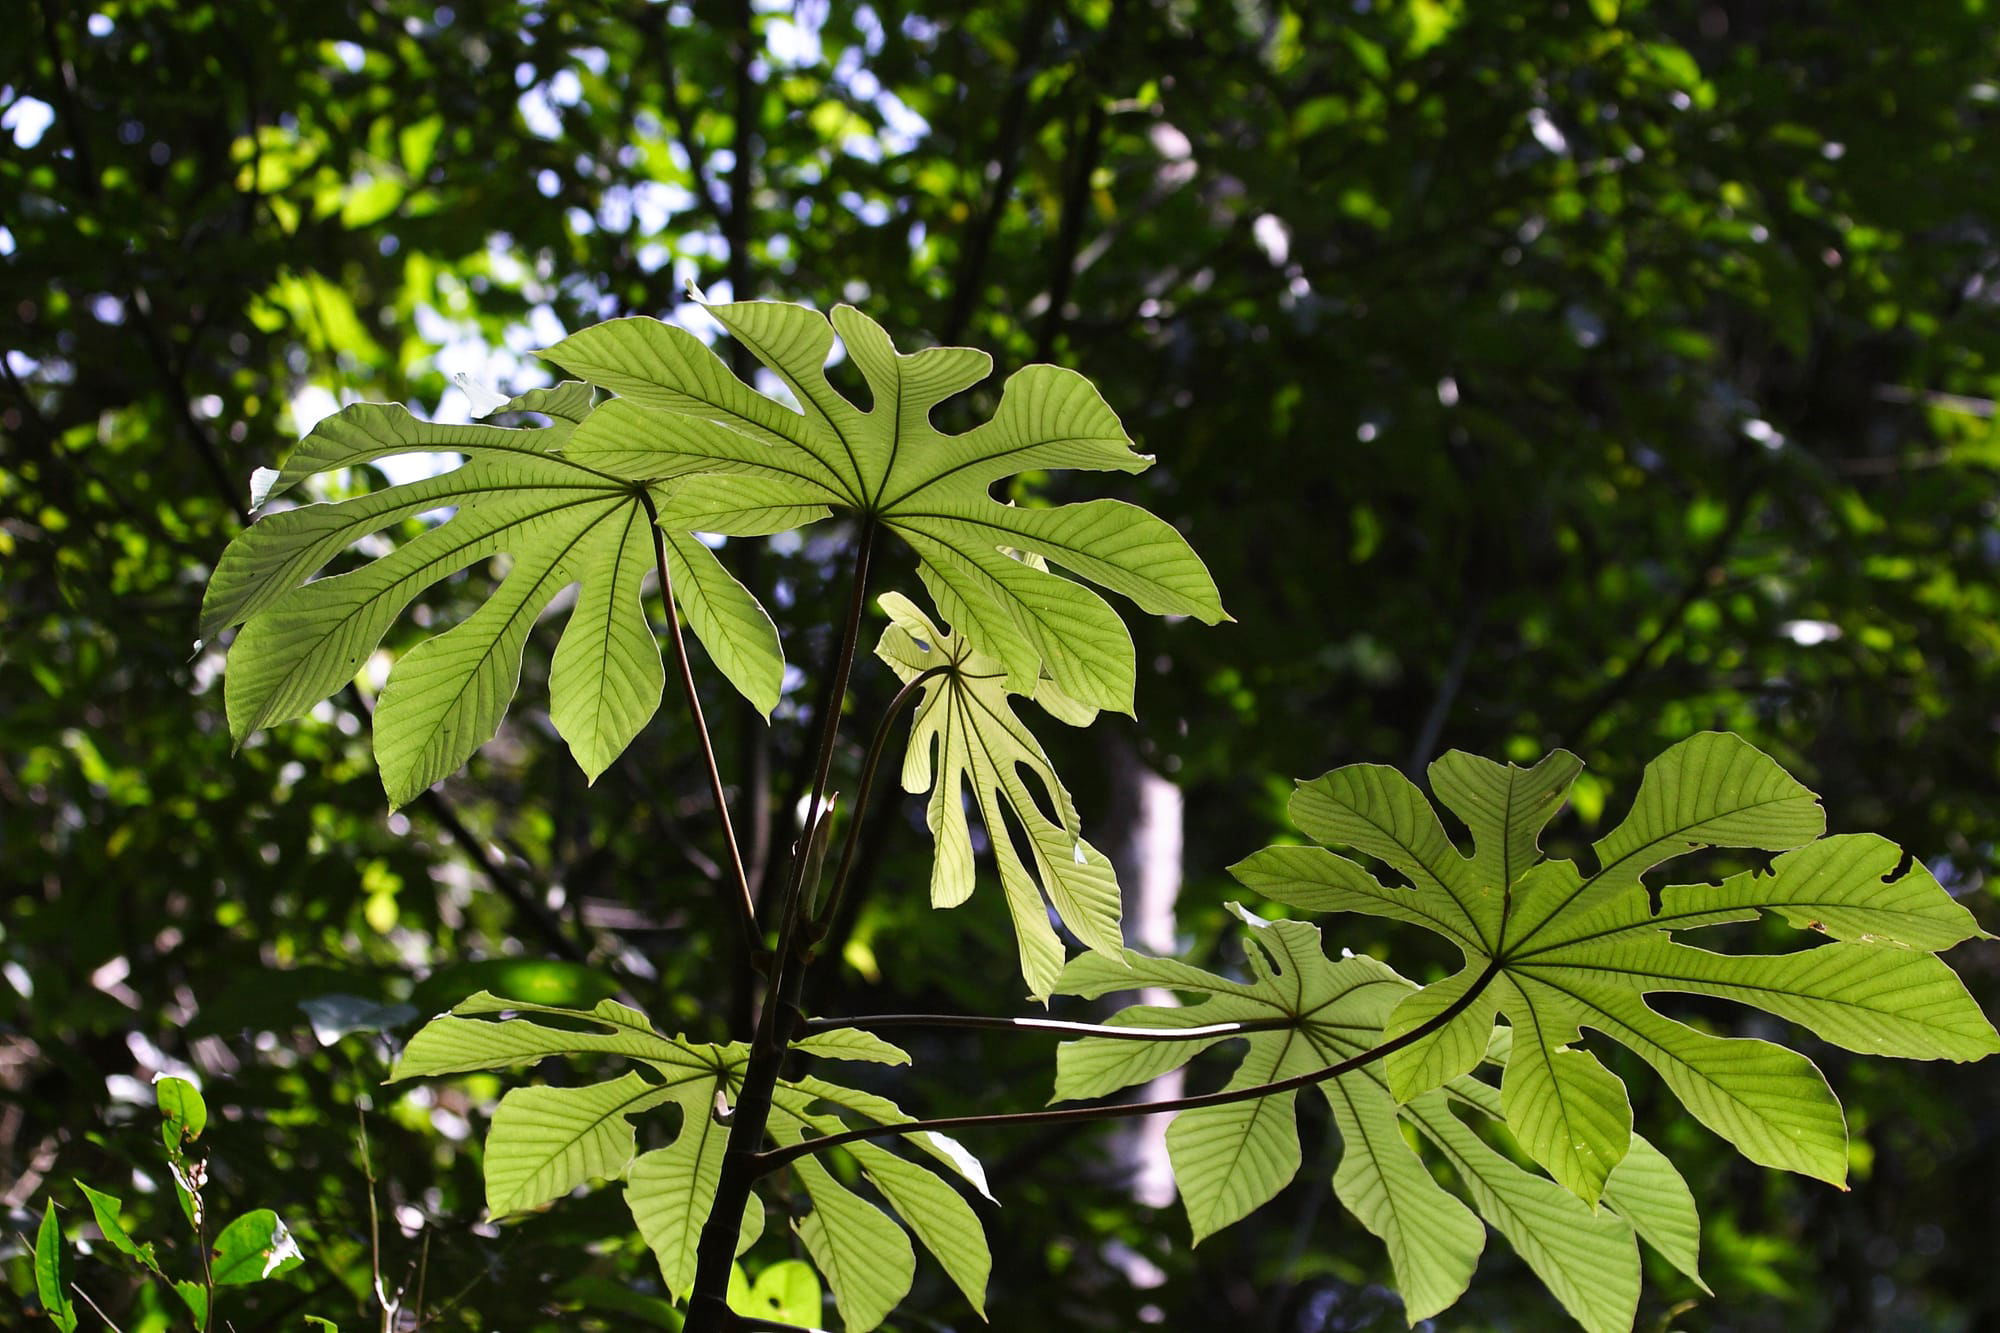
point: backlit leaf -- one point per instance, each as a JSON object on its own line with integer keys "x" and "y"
{"x": 255, "y": 1246}
{"x": 48, "y": 1272}
{"x": 965, "y": 734}
{"x": 1564, "y": 950}
{"x": 519, "y": 494}
{"x": 546, "y": 1141}
{"x": 1325, "y": 1012}
{"x": 890, "y": 464}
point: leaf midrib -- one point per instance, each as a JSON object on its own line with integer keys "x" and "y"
{"x": 1672, "y": 835}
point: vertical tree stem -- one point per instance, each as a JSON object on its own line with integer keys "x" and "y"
{"x": 708, "y": 1308}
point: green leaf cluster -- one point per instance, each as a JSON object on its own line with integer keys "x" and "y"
{"x": 252, "y": 1248}
{"x": 547, "y": 1141}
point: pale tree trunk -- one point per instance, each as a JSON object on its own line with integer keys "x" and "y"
{"x": 1143, "y": 840}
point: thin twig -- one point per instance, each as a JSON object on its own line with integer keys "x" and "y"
{"x": 837, "y": 698}
{"x": 390, "y": 1306}
{"x": 502, "y": 879}
{"x": 1069, "y": 236}
{"x": 1006, "y": 160}
{"x": 1453, "y": 681}
{"x": 423, "y": 1272}
{"x": 771, "y": 1159}
{"x": 84, "y": 1296}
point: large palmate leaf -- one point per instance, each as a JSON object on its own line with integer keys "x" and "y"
{"x": 546, "y": 1141}
{"x": 964, "y": 717}
{"x": 1309, "y": 1013}
{"x": 770, "y": 467}
{"x": 1555, "y": 949}
{"x": 520, "y": 494}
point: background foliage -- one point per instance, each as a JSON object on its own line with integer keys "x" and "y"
{"x": 1527, "y": 376}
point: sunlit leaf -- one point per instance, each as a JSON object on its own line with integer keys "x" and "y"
{"x": 930, "y": 1206}
{"x": 547, "y": 1141}
{"x": 1331, "y": 1011}
{"x": 890, "y": 464}
{"x": 518, "y": 494}
{"x": 787, "y": 1292}
{"x": 48, "y": 1272}
{"x": 107, "y": 1209}
{"x": 255, "y": 1246}
{"x": 1562, "y": 949}
{"x": 965, "y": 734}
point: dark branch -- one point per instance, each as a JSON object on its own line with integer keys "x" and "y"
{"x": 1705, "y": 572}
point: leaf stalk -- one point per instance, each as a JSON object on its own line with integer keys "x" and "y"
{"x": 747, "y": 903}
{"x": 995, "y": 1023}
{"x": 775, "y": 1158}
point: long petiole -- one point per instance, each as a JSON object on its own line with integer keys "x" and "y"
{"x": 774, "y": 1158}
{"x": 748, "y": 904}
{"x": 708, "y": 1311}
{"x": 993, "y": 1023}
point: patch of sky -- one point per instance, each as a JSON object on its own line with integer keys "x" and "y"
{"x": 1546, "y": 132}
{"x": 869, "y": 25}
{"x": 655, "y": 202}
{"x": 539, "y": 103}
{"x": 614, "y": 210}
{"x": 872, "y": 212}
{"x": 793, "y": 43}
{"x": 28, "y": 119}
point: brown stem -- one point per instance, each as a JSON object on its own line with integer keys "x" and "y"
{"x": 774, "y": 1158}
